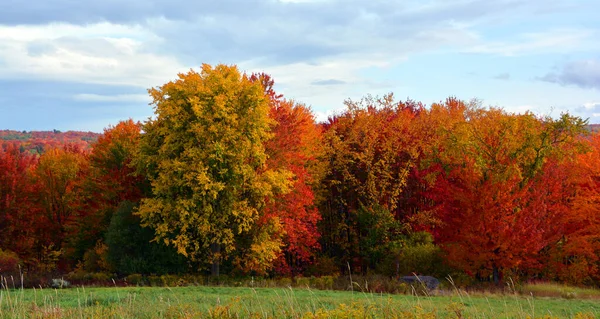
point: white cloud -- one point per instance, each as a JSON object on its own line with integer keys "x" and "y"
{"x": 99, "y": 53}
{"x": 552, "y": 41}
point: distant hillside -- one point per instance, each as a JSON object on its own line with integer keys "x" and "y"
{"x": 594, "y": 128}
{"x": 39, "y": 141}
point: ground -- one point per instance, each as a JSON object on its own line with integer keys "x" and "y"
{"x": 224, "y": 302}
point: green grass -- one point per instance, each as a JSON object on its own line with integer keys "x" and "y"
{"x": 223, "y": 302}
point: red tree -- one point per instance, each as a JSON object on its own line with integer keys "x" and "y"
{"x": 18, "y": 213}
{"x": 295, "y": 146}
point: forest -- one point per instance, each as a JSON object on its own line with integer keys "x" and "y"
{"x": 231, "y": 178}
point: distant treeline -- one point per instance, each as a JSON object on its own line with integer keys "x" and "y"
{"x": 39, "y": 141}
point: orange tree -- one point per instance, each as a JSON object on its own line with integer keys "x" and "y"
{"x": 496, "y": 193}
{"x": 370, "y": 150}
{"x": 296, "y": 146}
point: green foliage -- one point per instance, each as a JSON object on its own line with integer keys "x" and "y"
{"x": 421, "y": 256}
{"x": 131, "y": 251}
{"x": 135, "y": 279}
{"x": 379, "y": 234}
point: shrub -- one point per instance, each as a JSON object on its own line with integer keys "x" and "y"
{"x": 284, "y": 282}
{"x": 130, "y": 250}
{"x": 419, "y": 255}
{"x": 323, "y": 282}
{"x": 302, "y": 282}
{"x": 9, "y": 262}
{"x": 101, "y": 277}
{"x": 135, "y": 279}
{"x": 95, "y": 259}
{"x": 323, "y": 266}
{"x": 173, "y": 281}
{"x": 154, "y": 281}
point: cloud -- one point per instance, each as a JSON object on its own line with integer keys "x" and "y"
{"x": 588, "y": 107}
{"x": 87, "y": 97}
{"x": 502, "y": 76}
{"x": 589, "y": 110}
{"x": 99, "y": 53}
{"x": 146, "y": 43}
{"x": 582, "y": 73}
{"x": 555, "y": 41}
{"x": 328, "y": 82}
{"x": 308, "y": 46}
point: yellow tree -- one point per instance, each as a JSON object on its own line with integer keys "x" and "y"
{"x": 204, "y": 155}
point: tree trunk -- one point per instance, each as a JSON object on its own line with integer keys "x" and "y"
{"x": 216, "y": 252}
{"x": 496, "y": 274}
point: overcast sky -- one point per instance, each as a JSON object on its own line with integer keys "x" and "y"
{"x": 82, "y": 65}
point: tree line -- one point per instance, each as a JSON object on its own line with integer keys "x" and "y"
{"x": 230, "y": 177}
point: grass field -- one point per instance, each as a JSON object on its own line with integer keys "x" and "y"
{"x": 223, "y": 302}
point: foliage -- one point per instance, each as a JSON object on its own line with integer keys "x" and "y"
{"x": 416, "y": 254}
{"x": 131, "y": 251}
{"x": 295, "y": 146}
{"x": 230, "y": 175}
{"x": 9, "y": 262}
{"x": 19, "y": 215}
{"x": 205, "y": 158}
{"x": 498, "y": 192}
{"x": 58, "y": 174}
{"x": 37, "y": 142}
{"x": 110, "y": 180}
{"x": 371, "y": 148}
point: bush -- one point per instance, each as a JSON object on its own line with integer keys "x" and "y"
{"x": 9, "y": 262}
{"x": 154, "y": 281}
{"x": 130, "y": 250}
{"x": 323, "y": 266}
{"x": 323, "y": 283}
{"x": 79, "y": 274}
{"x": 173, "y": 281}
{"x": 101, "y": 277}
{"x": 418, "y": 255}
{"x": 95, "y": 259}
{"x": 284, "y": 282}
{"x": 302, "y": 282}
{"x": 135, "y": 279}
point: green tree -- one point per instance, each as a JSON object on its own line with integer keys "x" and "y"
{"x": 130, "y": 250}
{"x": 205, "y": 158}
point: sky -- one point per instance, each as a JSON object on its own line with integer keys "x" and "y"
{"x": 85, "y": 65}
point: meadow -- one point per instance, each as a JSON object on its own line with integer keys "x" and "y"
{"x": 248, "y": 302}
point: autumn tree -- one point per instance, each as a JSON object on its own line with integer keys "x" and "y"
{"x": 18, "y": 211}
{"x": 58, "y": 175}
{"x": 296, "y": 146}
{"x": 205, "y": 157}
{"x": 110, "y": 181}
{"x": 497, "y": 195}
{"x": 371, "y": 149}
{"x": 574, "y": 257}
